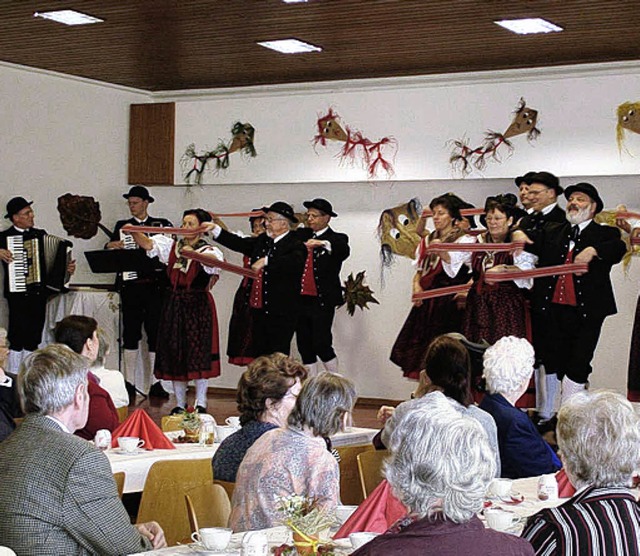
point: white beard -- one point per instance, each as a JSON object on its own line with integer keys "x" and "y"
{"x": 579, "y": 217}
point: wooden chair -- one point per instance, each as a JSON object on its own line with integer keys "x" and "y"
{"x": 163, "y": 495}
{"x": 207, "y": 506}
{"x": 227, "y": 486}
{"x": 170, "y": 423}
{"x": 123, "y": 413}
{"x": 370, "y": 469}
{"x": 119, "y": 478}
{"x": 350, "y": 489}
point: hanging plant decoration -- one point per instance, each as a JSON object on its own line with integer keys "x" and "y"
{"x": 356, "y": 145}
{"x": 357, "y": 293}
{"x": 80, "y": 216}
{"x": 194, "y": 164}
{"x": 464, "y": 157}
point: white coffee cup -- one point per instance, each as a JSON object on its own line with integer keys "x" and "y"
{"x": 360, "y": 539}
{"x": 548, "y": 487}
{"x": 222, "y": 431}
{"x": 130, "y": 444}
{"x": 500, "y": 488}
{"x": 233, "y": 421}
{"x": 213, "y": 538}
{"x": 344, "y": 512}
{"x": 500, "y": 520}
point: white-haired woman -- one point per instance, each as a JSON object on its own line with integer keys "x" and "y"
{"x": 440, "y": 466}
{"x": 599, "y": 439}
{"x": 295, "y": 459}
{"x": 508, "y": 365}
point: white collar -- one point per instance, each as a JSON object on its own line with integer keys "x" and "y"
{"x": 546, "y": 210}
{"x": 320, "y": 232}
{"x": 19, "y": 229}
{"x": 277, "y": 239}
{"x": 59, "y": 423}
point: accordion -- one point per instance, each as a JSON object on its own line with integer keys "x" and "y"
{"x": 38, "y": 262}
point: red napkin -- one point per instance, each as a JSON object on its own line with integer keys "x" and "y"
{"x": 565, "y": 488}
{"x": 141, "y": 425}
{"x": 376, "y": 514}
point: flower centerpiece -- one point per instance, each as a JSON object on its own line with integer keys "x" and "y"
{"x": 307, "y": 521}
{"x": 191, "y": 423}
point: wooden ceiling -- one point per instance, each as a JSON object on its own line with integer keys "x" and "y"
{"x": 192, "y": 44}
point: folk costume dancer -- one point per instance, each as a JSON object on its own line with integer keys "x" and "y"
{"x": 321, "y": 289}
{"x": 27, "y": 310}
{"x": 275, "y": 294}
{"x": 575, "y": 306}
{"x": 140, "y": 294}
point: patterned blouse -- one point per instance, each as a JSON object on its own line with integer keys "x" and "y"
{"x": 280, "y": 463}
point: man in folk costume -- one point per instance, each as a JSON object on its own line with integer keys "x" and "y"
{"x": 141, "y": 294}
{"x": 279, "y": 256}
{"x": 321, "y": 289}
{"x": 541, "y": 203}
{"x": 574, "y": 306}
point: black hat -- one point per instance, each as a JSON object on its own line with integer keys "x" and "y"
{"x": 588, "y": 189}
{"x": 139, "y": 191}
{"x": 284, "y": 209}
{"x": 15, "y": 205}
{"x": 322, "y": 205}
{"x": 545, "y": 178}
{"x": 518, "y": 181}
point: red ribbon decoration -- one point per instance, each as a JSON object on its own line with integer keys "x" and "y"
{"x": 212, "y": 260}
{"x": 128, "y": 228}
{"x": 252, "y": 214}
{"x": 635, "y": 240}
{"x": 439, "y": 292}
{"x": 464, "y": 212}
{"x": 473, "y": 247}
{"x": 571, "y": 268}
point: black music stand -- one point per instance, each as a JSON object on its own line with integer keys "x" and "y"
{"x": 109, "y": 261}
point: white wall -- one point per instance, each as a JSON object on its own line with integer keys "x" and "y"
{"x": 72, "y": 125}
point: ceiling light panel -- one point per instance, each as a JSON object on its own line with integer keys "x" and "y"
{"x": 69, "y": 17}
{"x": 529, "y": 26}
{"x": 290, "y": 46}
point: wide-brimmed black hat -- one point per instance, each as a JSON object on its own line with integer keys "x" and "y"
{"x": 139, "y": 191}
{"x": 283, "y": 209}
{"x": 15, "y": 205}
{"x": 518, "y": 181}
{"x": 546, "y": 178}
{"x": 322, "y": 205}
{"x": 588, "y": 189}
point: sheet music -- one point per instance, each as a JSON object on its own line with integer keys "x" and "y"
{"x": 129, "y": 243}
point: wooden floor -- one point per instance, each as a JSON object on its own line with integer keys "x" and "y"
{"x": 222, "y": 403}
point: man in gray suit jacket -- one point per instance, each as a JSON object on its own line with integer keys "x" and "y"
{"x": 57, "y": 494}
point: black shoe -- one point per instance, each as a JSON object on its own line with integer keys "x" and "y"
{"x": 546, "y": 425}
{"x": 200, "y": 409}
{"x": 177, "y": 410}
{"x": 131, "y": 391}
{"x": 157, "y": 391}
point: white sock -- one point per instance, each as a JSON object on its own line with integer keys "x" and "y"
{"x": 129, "y": 363}
{"x": 312, "y": 369}
{"x": 539, "y": 381}
{"x": 201, "y": 391}
{"x": 180, "y": 390}
{"x": 569, "y": 388}
{"x": 13, "y": 361}
{"x": 331, "y": 365}
{"x": 552, "y": 390}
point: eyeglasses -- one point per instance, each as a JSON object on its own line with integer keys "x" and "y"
{"x": 537, "y": 192}
{"x": 270, "y": 219}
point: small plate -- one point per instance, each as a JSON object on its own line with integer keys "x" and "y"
{"x": 121, "y": 452}
{"x": 197, "y": 548}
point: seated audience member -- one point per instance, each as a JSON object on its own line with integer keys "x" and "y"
{"x": 267, "y": 392}
{"x": 57, "y": 494}
{"x": 599, "y": 439}
{"x": 295, "y": 459}
{"x": 508, "y": 366}
{"x": 79, "y": 333}
{"x": 8, "y": 399}
{"x": 440, "y": 466}
{"x": 446, "y": 369}
{"x": 112, "y": 381}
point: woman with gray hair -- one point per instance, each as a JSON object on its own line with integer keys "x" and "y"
{"x": 440, "y": 467}
{"x": 294, "y": 460}
{"x": 508, "y": 365}
{"x": 599, "y": 439}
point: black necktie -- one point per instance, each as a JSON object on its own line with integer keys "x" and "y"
{"x": 575, "y": 232}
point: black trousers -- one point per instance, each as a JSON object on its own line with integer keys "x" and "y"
{"x": 26, "y": 320}
{"x": 272, "y": 333}
{"x": 571, "y": 342}
{"x": 141, "y": 306}
{"x": 313, "y": 333}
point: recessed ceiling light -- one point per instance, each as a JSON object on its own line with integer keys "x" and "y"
{"x": 529, "y": 26}
{"x": 69, "y": 17}
{"x": 294, "y": 1}
{"x": 290, "y": 46}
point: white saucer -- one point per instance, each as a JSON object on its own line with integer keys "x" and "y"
{"x": 136, "y": 452}
{"x": 197, "y": 548}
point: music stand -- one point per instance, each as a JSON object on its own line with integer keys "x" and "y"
{"x": 109, "y": 261}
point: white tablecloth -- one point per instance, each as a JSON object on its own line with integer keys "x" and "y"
{"x": 353, "y": 436}
{"x": 136, "y": 467}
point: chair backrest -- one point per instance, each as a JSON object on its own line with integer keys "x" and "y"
{"x": 207, "y": 506}
{"x": 170, "y": 423}
{"x": 123, "y": 413}
{"x": 370, "y": 469}
{"x": 163, "y": 495}
{"x": 119, "y": 478}
{"x": 227, "y": 486}
{"x": 350, "y": 489}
